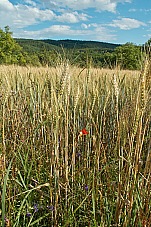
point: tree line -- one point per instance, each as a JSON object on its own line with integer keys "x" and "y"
{"x": 38, "y": 53}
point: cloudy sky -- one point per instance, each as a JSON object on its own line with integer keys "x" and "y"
{"x": 115, "y": 21}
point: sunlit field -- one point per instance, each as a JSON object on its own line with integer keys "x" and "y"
{"x": 75, "y": 147}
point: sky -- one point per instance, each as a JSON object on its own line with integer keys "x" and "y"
{"x": 112, "y": 21}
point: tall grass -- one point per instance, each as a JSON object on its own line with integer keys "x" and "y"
{"x": 53, "y": 174}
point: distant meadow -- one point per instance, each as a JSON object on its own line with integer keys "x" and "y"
{"x": 75, "y": 146}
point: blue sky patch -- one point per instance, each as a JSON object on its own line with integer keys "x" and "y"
{"x": 115, "y": 21}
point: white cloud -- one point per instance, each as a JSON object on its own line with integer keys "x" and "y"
{"x": 30, "y": 2}
{"x": 35, "y": 13}
{"x": 92, "y": 32}
{"x": 22, "y": 15}
{"x": 57, "y": 29}
{"x": 140, "y": 10}
{"x": 64, "y": 12}
{"x": 132, "y": 10}
{"x": 127, "y": 23}
{"x": 72, "y": 17}
{"x": 86, "y": 26}
{"x": 101, "y": 5}
{"x": 45, "y": 33}
{"x": 6, "y": 5}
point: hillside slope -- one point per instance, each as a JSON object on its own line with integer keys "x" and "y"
{"x": 31, "y": 45}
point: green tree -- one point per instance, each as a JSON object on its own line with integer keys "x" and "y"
{"x": 147, "y": 48}
{"x": 148, "y": 43}
{"x": 10, "y": 51}
{"x": 129, "y": 56}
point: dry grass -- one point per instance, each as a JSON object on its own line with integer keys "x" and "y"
{"x": 55, "y": 176}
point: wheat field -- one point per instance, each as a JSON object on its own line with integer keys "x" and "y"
{"x": 75, "y": 146}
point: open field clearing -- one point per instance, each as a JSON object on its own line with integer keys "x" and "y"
{"x": 75, "y": 147}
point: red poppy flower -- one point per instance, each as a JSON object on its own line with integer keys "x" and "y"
{"x": 84, "y": 132}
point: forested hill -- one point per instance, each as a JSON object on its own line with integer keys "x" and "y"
{"x": 31, "y": 45}
{"x": 49, "y": 52}
{"x": 101, "y": 54}
{"x": 79, "y": 44}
